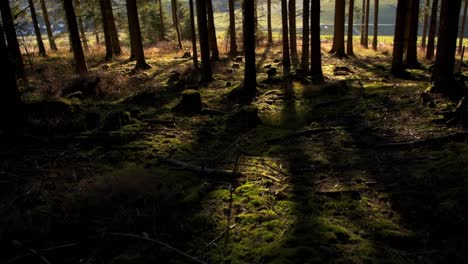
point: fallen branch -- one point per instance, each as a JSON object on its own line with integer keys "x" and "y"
{"x": 198, "y": 169}
{"x": 42, "y": 250}
{"x": 33, "y": 252}
{"x": 160, "y": 243}
{"x": 304, "y": 133}
{"x": 460, "y": 136}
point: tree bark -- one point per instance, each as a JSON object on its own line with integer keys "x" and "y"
{"x": 363, "y": 21}
{"x": 305, "y": 36}
{"x": 315, "y": 44}
{"x": 366, "y": 27}
{"x": 232, "y": 30}
{"x": 193, "y": 35}
{"x": 398, "y": 68}
{"x": 285, "y": 31}
{"x": 338, "y": 48}
{"x": 442, "y": 75}
{"x": 376, "y": 25}
{"x": 212, "y": 31}
{"x": 425, "y": 22}
{"x": 81, "y": 26}
{"x": 112, "y": 28}
{"x": 462, "y": 31}
{"x": 45, "y": 15}
{"x": 80, "y": 62}
{"x": 207, "y": 74}
{"x": 37, "y": 30}
{"x": 135, "y": 35}
{"x": 349, "y": 43}
{"x": 250, "y": 75}
{"x": 12, "y": 40}
{"x": 105, "y": 27}
{"x": 162, "y": 30}
{"x": 176, "y": 23}
{"x": 412, "y": 44}
{"x": 292, "y": 32}
{"x": 432, "y": 31}
{"x": 269, "y": 27}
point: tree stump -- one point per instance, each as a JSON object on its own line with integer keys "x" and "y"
{"x": 190, "y": 102}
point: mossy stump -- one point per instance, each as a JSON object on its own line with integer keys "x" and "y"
{"x": 190, "y": 102}
{"x": 244, "y": 119}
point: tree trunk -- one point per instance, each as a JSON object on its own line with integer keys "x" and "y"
{"x": 12, "y": 40}
{"x": 442, "y": 75}
{"x": 207, "y": 74}
{"x": 363, "y": 21}
{"x": 432, "y": 31}
{"x": 105, "y": 27}
{"x": 398, "y": 68}
{"x": 292, "y": 32}
{"x": 349, "y": 43}
{"x": 412, "y": 44}
{"x": 305, "y": 36}
{"x": 366, "y": 27}
{"x": 176, "y": 23}
{"x": 315, "y": 44}
{"x": 45, "y": 15}
{"x": 112, "y": 28}
{"x": 269, "y": 27}
{"x": 462, "y": 31}
{"x": 250, "y": 82}
{"x": 37, "y": 30}
{"x": 135, "y": 35}
{"x": 232, "y": 30}
{"x": 193, "y": 35}
{"x": 78, "y": 54}
{"x": 338, "y": 48}
{"x": 212, "y": 32}
{"x": 285, "y": 31}
{"x": 96, "y": 30}
{"x": 376, "y": 24}
{"x": 162, "y": 30}
{"x": 81, "y": 27}
{"x": 425, "y": 22}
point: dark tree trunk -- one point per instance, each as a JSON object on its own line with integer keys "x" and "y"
{"x": 162, "y": 29}
{"x": 285, "y": 31}
{"x": 292, "y": 32}
{"x": 412, "y": 44}
{"x": 193, "y": 35}
{"x": 398, "y": 68}
{"x": 442, "y": 75}
{"x": 250, "y": 75}
{"x": 81, "y": 27}
{"x": 105, "y": 27}
{"x": 315, "y": 44}
{"x": 338, "y": 48}
{"x": 96, "y": 30}
{"x": 366, "y": 26}
{"x": 462, "y": 31}
{"x": 112, "y": 28}
{"x": 432, "y": 31}
{"x": 232, "y": 30}
{"x": 349, "y": 43}
{"x": 269, "y": 27}
{"x": 135, "y": 35}
{"x": 37, "y": 30}
{"x": 363, "y": 21}
{"x": 176, "y": 23}
{"x": 425, "y": 22}
{"x": 212, "y": 32}
{"x": 45, "y": 15}
{"x": 305, "y": 36}
{"x": 12, "y": 40}
{"x": 376, "y": 24}
{"x": 207, "y": 74}
{"x": 80, "y": 63}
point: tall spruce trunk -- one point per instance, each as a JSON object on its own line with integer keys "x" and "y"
{"x": 45, "y": 15}
{"x": 207, "y": 74}
{"x": 315, "y": 44}
{"x": 349, "y": 42}
{"x": 81, "y": 27}
{"x": 305, "y": 36}
{"x": 232, "y": 30}
{"x": 113, "y": 29}
{"x": 105, "y": 26}
{"x": 176, "y": 23}
{"x": 398, "y": 67}
{"x": 292, "y": 32}
{"x": 366, "y": 26}
{"x": 412, "y": 44}
{"x": 37, "y": 30}
{"x": 269, "y": 26}
{"x": 212, "y": 32}
{"x": 80, "y": 63}
{"x": 376, "y": 25}
{"x": 285, "y": 32}
{"x": 363, "y": 21}
{"x": 250, "y": 74}
{"x": 162, "y": 27}
{"x": 338, "y": 48}
{"x": 193, "y": 35}
{"x": 135, "y": 35}
{"x": 425, "y": 22}
{"x": 462, "y": 31}
{"x": 432, "y": 31}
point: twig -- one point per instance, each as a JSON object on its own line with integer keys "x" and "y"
{"x": 34, "y": 252}
{"x": 160, "y": 243}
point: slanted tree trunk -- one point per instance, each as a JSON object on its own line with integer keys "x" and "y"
{"x": 250, "y": 74}
{"x": 398, "y": 68}
{"x": 425, "y": 22}
{"x": 292, "y": 32}
{"x": 412, "y": 40}
{"x": 363, "y": 21}
{"x": 376, "y": 25}
{"x": 462, "y": 31}
{"x": 366, "y": 27}
{"x": 232, "y": 30}
{"x": 135, "y": 35}
{"x": 176, "y": 23}
{"x": 432, "y": 31}
{"x": 305, "y": 36}
{"x": 105, "y": 27}
{"x": 12, "y": 40}
{"x": 80, "y": 62}
{"x": 442, "y": 75}
{"x": 349, "y": 43}
{"x": 338, "y": 48}
{"x": 212, "y": 32}
{"x": 162, "y": 29}
{"x": 45, "y": 15}
{"x": 269, "y": 27}
{"x": 193, "y": 35}
{"x": 315, "y": 44}
{"x": 285, "y": 31}
{"x": 37, "y": 30}
{"x": 207, "y": 74}
{"x": 84, "y": 38}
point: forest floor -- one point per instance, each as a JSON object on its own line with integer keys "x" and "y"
{"x": 364, "y": 174}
